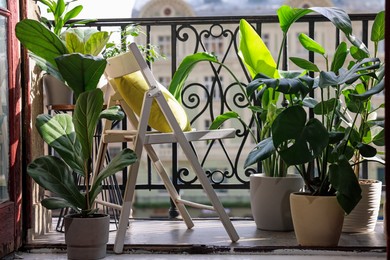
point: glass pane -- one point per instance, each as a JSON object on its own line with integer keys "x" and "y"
{"x": 3, "y": 4}
{"x": 4, "y": 142}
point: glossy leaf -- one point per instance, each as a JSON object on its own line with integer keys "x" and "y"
{"x": 307, "y": 139}
{"x": 339, "y": 57}
{"x": 85, "y": 118}
{"x": 73, "y": 13}
{"x": 366, "y": 150}
{"x": 305, "y": 64}
{"x": 288, "y": 15}
{"x": 96, "y": 43}
{"x": 185, "y": 69}
{"x": 379, "y": 139}
{"x": 113, "y": 113}
{"x": 254, "y": 53}
{"x": 219, "y": 120}
{"x": 54, "y": 175}
{"x": 310, "y": 44}
{"x": 378, "y": 27}
{"x": 81, "y": 72}
{"x": 40, "y": 40}
{"x": 337, "y": 16}
{"x": 59, "y": 133}
{"x": 369, "y": 93}
{"x": 57, "y": 203}
{"x": 123, "y": 159}
{"x": 344, "y": 180}
{"x": 262, "y": 151}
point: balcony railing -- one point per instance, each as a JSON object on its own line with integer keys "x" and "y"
{"x": 210, "y": 91}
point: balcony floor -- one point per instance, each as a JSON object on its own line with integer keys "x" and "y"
{"x": 209, "y": 237}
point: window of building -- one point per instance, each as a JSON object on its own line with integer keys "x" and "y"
{"x": 213, "y": 87}
{"x": 164, "y": 43}
{"x": 214, "y": 45}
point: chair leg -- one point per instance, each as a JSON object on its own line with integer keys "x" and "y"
{"x": 126, "y": 208}
{"x": 169, "y": 186}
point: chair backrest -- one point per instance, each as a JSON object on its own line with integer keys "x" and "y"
{"x": 130, "y": 62}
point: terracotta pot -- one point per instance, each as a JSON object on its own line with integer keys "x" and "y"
{"x": 86, "y": 238}
{"x": 57, "y": 93}
{"x": 318, "y": 220}
{"x": 270, "y": 200}
{"x": 364, "y": 216}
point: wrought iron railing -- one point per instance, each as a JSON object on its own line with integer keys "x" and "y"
{"x": 197, "y": 34}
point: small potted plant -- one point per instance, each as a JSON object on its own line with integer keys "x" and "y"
{"x": 47, "y": 39}
{"x": 71, "y": 137}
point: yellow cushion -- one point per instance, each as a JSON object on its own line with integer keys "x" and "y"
{"x": 132, "y": 88}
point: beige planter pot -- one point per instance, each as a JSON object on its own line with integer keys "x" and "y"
{"x": 86, "y": 238}
{"x": 270, "y": 200}
{"x": 318, "y": 220}
{"x": 57, "y": 93}
{"x": 364, "y": 216}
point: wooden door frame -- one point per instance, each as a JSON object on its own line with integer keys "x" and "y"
{"x": 11, "y": 211}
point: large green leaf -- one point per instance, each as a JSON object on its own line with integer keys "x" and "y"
{"x": 57, "y": 203}
{"x": 305, "y": 64}
{"x": 74, "y": 43}
{"x": 73, "y": 13}
{"x": 86, "y": 114}
{"x": 254, "y": 53}
{"x": 54, "y": 175}
{"x": 369, "y": 93}
{"x": 184, "y": 70}
{"x": 123, "y": 159}
{"x": 337, "y": 16}
{"x": 81, "y": 72}
{"x": 96, "y": 43}
{"x": 40, "y": 40}
{"x": 288, "y": 15}
{"x": 378, "y": 27}
{"x": 297, "y": 140}
{"x": 219, "y": 120}
{"x": 58, "y": 132}
{"x": 339, "y": 57}
{"x": 310, "y": 44}
{"x": 262, "y": 151}
{"x": 344, "y": 180}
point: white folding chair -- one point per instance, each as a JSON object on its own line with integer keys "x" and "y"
{"x": 141, "y": 138}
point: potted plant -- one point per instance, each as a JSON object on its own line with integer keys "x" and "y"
{"x": 71, "y": 136}
{"x": 47, "y": 39}
{"x": 326, "y": 148}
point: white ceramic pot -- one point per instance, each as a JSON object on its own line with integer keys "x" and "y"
{"x": 364, "y": 216}
{"x": 270, "y": 203}
{"x": 318, "y": 220}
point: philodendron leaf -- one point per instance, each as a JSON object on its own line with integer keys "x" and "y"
{"x": 254, "y": 53}
{"x": 113, "y": 113}
{"x": 369, "y": 93}
{"x": 310, "y": 44}
{"x": 85, "y": 118}
{"x": 123, "y": 159}
{"x": 378, "y": 27}
{"x": 184, "y": 70}
{"x": 58, "y": 132}
{"x": 262, "y": 151}
{"x": 344, "y": 180}
{"x": 339, "y": 57}
{"x": 54, "y": 175}
{"x": 305, "y": 64}
{"x": 81, "y": 72}
{"x": 298, "y": 141}
{"x": 40, "y": 40}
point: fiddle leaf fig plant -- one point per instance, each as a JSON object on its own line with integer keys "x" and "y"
{"x": 71, "y": 137}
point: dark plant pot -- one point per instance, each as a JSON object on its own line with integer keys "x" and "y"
{"x": 86, "y": 238}
{"x": 270, "y": 200}
{"x": 318, "y": 220}
{"x": 57, "y": 93}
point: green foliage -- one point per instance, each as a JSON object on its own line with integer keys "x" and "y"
{"x": 71, "y": 138}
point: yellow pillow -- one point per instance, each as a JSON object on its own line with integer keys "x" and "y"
{"x": 132, "y": 88}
